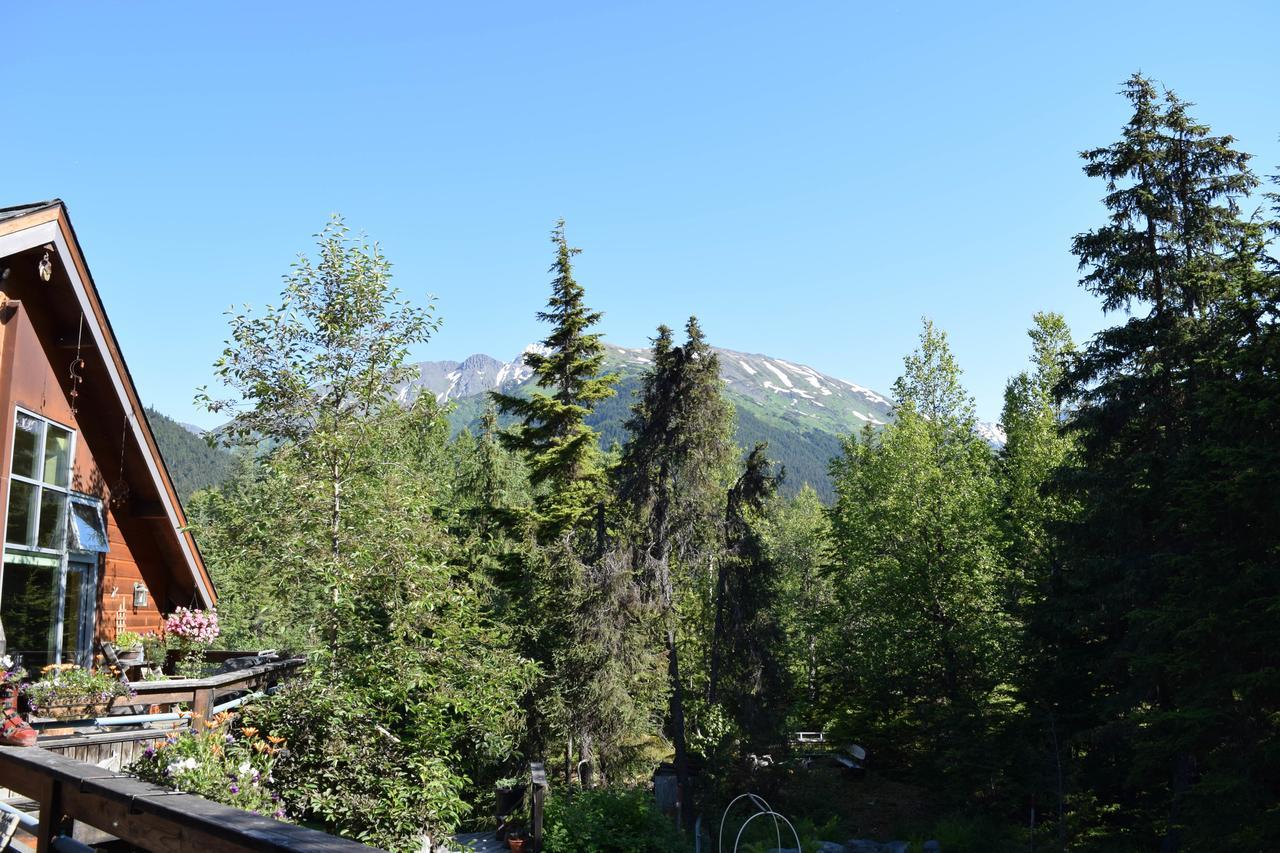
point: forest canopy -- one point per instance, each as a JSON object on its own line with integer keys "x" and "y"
{"x": 1069, "y": 641}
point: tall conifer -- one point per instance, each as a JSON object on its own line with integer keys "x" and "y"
{"x": 680, "y": 436}
{"x": 560, "y": 447}
{"x": 1141, "y": 665}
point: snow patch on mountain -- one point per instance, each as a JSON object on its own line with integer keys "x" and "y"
{"x": 786, "y": 380}
{"x": 992, "y": 434}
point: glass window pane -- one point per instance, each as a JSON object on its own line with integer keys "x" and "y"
{"x": 53, "y": 519}
{"x": 20, "y": 529}
{"x": 26, "y": 441}
{"x": 86, "y": 531}
{"x": 71, "y": 615}
{"x": 57, "y": 456}
{"x": 28, "y": 606}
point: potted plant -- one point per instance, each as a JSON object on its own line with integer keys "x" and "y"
{"x": 508, "y": 792}
{"x": 516, "y": 841}
{"x": 68, "y": 692}
{"x": 128, "y": 647}
{"x": 155, "y": 649}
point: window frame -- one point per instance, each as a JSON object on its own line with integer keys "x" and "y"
{"x": 90, "y": 561}
{"x": 33, "y": 524}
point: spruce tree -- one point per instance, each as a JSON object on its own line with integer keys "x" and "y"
{"x": 572, "y": 603}
{"x": 560, "y": 448}
{"x": 747, "y": 673}
{"x": 679, "y": 439}
{"x": 1155, "y": 682}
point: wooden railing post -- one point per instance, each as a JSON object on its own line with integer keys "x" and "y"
{"x": 202, "y": 703}
{"x": 50, "y": 800}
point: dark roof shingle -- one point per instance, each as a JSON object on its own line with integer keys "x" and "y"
{"x": 23, "y": 209}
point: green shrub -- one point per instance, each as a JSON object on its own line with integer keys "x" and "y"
{"x": 609, "y": 820}
{"x": 126, "y": 640}
{"x": 348, "y": 770}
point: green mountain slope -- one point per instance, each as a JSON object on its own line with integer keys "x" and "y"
{"x": 801, "y": 413}
{"x": 192, "y": 463}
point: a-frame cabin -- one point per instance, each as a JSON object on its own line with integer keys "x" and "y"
{"x": 95, "y": 538}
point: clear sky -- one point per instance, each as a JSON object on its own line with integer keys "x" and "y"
{"x": 809, "y": 178}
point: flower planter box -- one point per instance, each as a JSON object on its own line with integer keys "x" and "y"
{"x": 74, "y": 711}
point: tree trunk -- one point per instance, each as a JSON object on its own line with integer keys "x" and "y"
{"x": 683, "y": 801}
{"x": 1061, "y": 789}
{"x": 1182, "y": 770}
{"x": 335, "y": 515}
{"x": 716, "y": 634}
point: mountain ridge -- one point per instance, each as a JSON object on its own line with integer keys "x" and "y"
{"x": 802, "y": 412}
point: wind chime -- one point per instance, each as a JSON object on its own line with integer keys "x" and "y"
{"x": 77, "y": 369}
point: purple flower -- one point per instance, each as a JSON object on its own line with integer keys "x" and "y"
{"x": 235, "y": 789}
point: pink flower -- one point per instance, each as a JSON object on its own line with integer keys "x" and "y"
{"x": 197, "y": 626}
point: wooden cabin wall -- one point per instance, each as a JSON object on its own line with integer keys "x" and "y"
{"x": 38, "y": 385}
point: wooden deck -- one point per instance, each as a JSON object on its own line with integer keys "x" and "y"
{"x": 479, "y": 842}
{"x": 146, "y": 816}
{"x": 116, "y": 747}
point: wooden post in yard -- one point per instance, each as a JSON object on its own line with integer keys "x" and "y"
{"x": 538, "y": 778}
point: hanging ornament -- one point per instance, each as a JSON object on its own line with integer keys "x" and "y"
{"x": 77, "y": 368}
{"x": 120, "y": 489}
{"x": 46, "y": 267}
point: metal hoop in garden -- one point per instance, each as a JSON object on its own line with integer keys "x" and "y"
{"x": 775, "y": 817}
{"x": 762, "y": 807}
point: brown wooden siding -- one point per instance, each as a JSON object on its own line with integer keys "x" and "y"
{"x": 29, "y": 379}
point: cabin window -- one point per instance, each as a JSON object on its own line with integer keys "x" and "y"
{"x": 53, "y": 537}
{"x": 39, "y": 484}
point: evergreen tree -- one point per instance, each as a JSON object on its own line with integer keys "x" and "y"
{"x": 581, "y": 607}
{"x": 1157, "y": 681}
{"x": 747, "y": 674}
{"x": 679, "y": 439}
{"x": 560, "y": 448}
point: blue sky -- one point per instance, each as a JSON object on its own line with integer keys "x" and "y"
{"x": 809, "y": 178}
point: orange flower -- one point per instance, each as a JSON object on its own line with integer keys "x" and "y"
{"x": 275, "y": 740}
{"x": 249, "y": 731}
{"x": 260, "y": 746}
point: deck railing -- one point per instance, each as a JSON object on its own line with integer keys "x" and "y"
{"x": 144, "y": 815}
{"x": 117, "y": 740}
{"x": 202, "y": 694}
